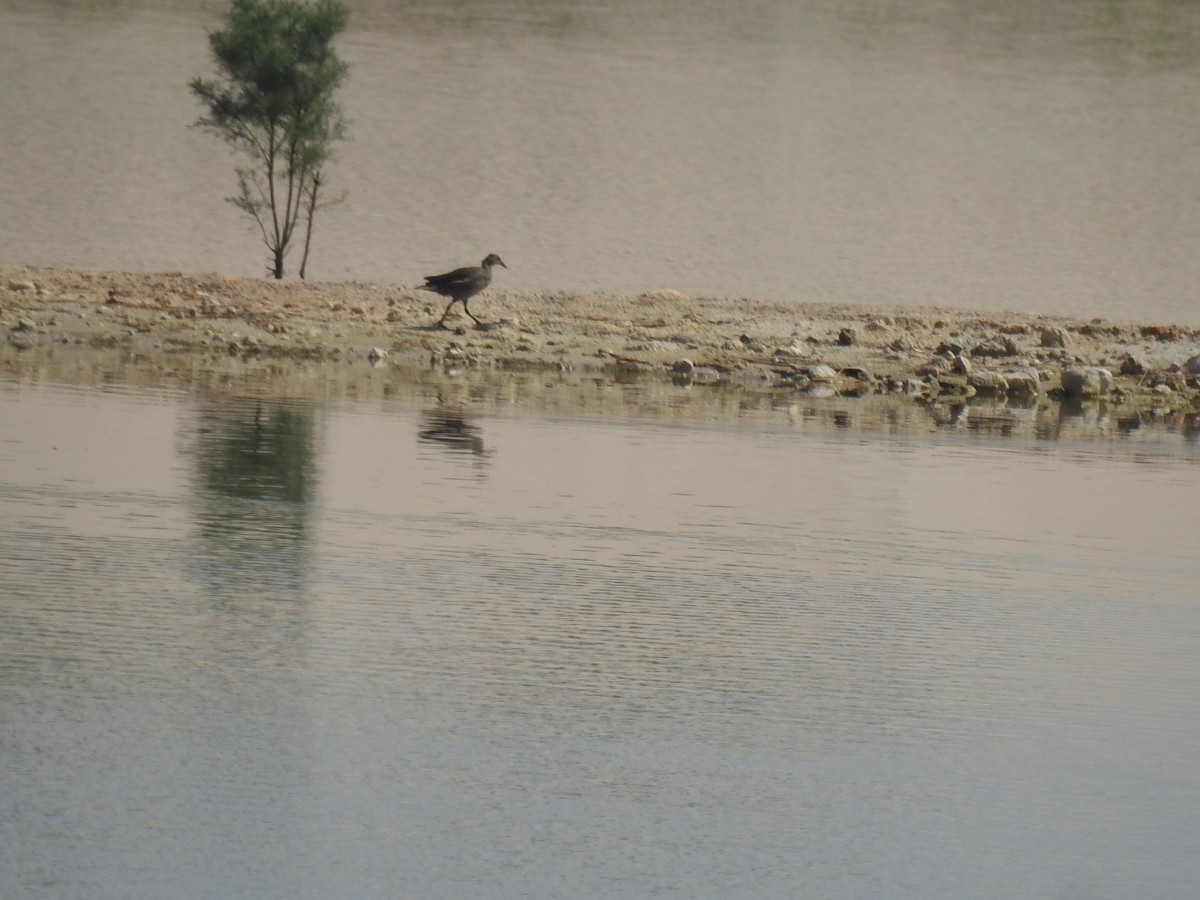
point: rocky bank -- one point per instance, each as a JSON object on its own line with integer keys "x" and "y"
{"x": 940, "y": 361}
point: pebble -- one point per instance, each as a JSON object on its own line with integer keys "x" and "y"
{"x": 683, "y": 367}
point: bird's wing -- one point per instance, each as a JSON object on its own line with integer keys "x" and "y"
{"x": 464, "y": 275}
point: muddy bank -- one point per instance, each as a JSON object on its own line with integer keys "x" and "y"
{"x": 892, "y": 368}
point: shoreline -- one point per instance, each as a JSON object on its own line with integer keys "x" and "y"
{"x": 917, "y": 365}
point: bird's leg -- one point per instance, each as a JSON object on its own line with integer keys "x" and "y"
{"x": 442, "y": 321}
{"x": 471, "y": 314}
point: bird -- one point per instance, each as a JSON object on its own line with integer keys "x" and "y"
{"x": 462, "y": 284}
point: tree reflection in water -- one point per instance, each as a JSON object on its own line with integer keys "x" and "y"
{"x": 255, "y": 478}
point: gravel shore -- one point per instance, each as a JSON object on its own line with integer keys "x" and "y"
{"x": 906, "y": 364}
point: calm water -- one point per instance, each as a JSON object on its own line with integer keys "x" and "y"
{"x": 1031, "y": 155}
{"x": 316, "y": 649}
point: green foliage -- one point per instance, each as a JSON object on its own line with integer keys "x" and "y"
{"x": 274, "y": 103}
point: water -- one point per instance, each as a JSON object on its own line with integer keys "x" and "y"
{"x": 1030, "y": 155}
{"x": 266, "y": 648}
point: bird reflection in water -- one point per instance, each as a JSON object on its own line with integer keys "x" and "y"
{"x": 449, "y": 428}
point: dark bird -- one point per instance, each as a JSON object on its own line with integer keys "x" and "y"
{"x": 462, "y": 284}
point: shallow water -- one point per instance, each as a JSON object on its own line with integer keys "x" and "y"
{"x": 309, "y": 648}
{"x": 1036, "y": 156}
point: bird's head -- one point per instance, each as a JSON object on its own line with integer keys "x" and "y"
{"x": 493, "y": 260}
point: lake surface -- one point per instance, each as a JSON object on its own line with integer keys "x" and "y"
{"x": 1027, "y": 155}
{"x": 316, "y": 648}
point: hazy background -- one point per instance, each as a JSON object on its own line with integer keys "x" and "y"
{"x": 1030, "y": 155}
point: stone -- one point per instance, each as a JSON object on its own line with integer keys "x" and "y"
{"x": 936, "y": 365}
{"x": 1172, "y": 378}
{"x": 1053, "y": 336}
{"x": 987, "y": 382}
{"x": 1086, "y": 381}
{"x": 847, "y": 337}
{"x": 1133, "y": 366}
{"x": 1023, "y": 382}
{"x": 22, "y": 286}
{"x": 961, "y": 365}
{"x": 821, "y": 372}
{"x": 377, "y": 354}
{"x": 683, "y": 367}
{"x": 754, "y": 346}
{"x": 997, "y": 346}
{"x": 952, "y": 384}
{"x": 1193, "y": 365}
{"x": 793, "y": 349}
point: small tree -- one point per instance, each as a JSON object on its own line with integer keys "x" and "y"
{"x": 273, "y": 101}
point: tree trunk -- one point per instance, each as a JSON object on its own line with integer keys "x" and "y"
{"x": 314, "y": 186}
{"x": 278, "y": 270}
